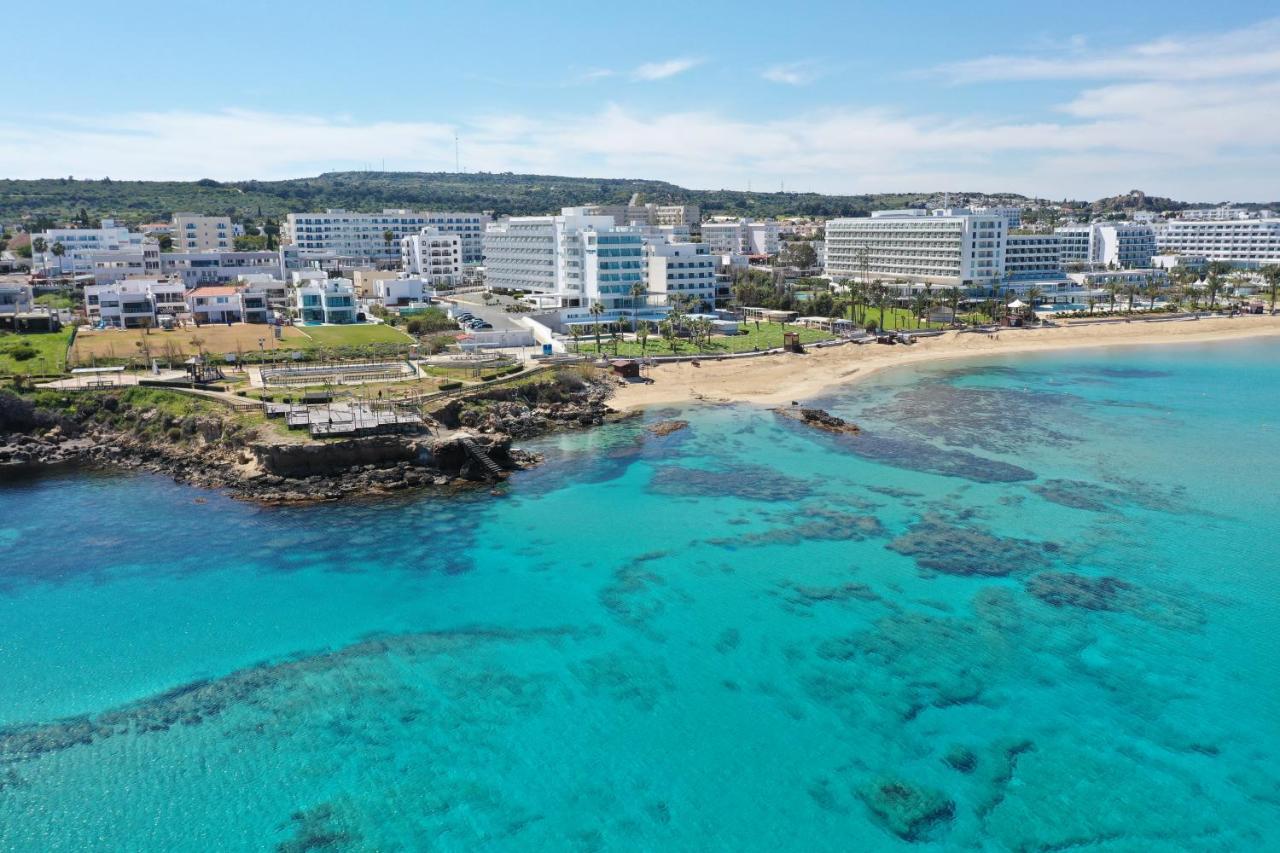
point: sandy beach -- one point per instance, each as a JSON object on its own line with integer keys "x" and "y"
{"x": 775, "y": 379}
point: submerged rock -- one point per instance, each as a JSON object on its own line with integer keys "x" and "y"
{"x": 968, "y": 550}
{"x": 818, "y": 419}
{"x": 667, "y": 427}
{"x": 908, "y": 810}
{"x": 1068, "y": 589}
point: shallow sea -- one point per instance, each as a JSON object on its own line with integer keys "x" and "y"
{"x": 1034, "y": 606}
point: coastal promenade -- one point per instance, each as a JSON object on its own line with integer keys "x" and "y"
{"x": 774, "y": 379}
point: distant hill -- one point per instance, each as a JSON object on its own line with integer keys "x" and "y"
{"x": 503, "y": 193}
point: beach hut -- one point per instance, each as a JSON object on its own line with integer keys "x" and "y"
{"x": 625, "y": 368}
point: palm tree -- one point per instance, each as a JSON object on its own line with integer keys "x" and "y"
{"x": 1151, "y": 291}
{"x": 642, "y": 335}
{"x": 638, "y": 294}
{"x": 387, "y": 237}
{"x": 1272, "y": 273}
{"x": 576, "y": 331}
{"x": 1215, "y": 287}
{"x": 596, "y": 310}
{"x": 38, "y": 247}
{"x": 58, "y": 251}
{"x": 668, "y": 331}
{"x": 1091, "y": 302}
{"x": 1113, "y": 288}
{"x": 1130, "y": 290}
{"x": 919, "y": 305}
{"x": 1034, "y": 295}
{"x": 953, "y": 301}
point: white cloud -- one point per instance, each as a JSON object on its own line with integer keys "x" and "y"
{"x": 1202, "y": 142}
{"x": 663, "y": 70}
{"x": 792, "y": 73}
{"x": 1250, "y": 51}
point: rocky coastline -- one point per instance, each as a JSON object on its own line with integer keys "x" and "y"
{"x": 105, "y": 431}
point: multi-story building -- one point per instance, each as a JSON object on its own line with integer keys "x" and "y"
{"x": 197, "y": 268}
{"x": 1122, "y": 244}
{"x": 741, "y": 237}
{"x": 192, "y": 232}
{"x": 1032, "y": 256}
{"x": 15, "y": 299}
{"x": 1128, "y": 245}
{"x": 1012, "y": 215}
{"x": 952, "y": 247}
{"x": 434, "y": 255}
{"x": 1245, "y": 242}
{"x": 221, "y": 303}
{"x": 135, "y": 261}
{"x": 570, "y": 261}
{"x": 135, "y": 302}
{"x": 634, "y": 213}
{"x": 685, "y": 270}
{"x": 375, "y": 237}
{"x": 402, "y": 290}
{"x": 78, "y": 246}
{"x": 1226, "y": 212}
{"x": 329, "y": 301}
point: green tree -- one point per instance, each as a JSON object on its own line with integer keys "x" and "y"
{"x": 1272, "y": 274}
{"x": 639, "y": 293}
{"x": 58, "y": 251}
{"x": 597, "y": 310}
{"x": 642, "y": 335}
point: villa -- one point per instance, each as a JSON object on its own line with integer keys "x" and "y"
{"x": 329, "y": 301}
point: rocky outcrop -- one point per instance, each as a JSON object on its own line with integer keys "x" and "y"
{"x": 666, "y": 427}
{"x": 818, "y": 419}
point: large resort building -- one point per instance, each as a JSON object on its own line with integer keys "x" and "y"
{"x": 1246, "y": 242}
{"x": 946, "y": 247}
{"x": 363, "y": 237}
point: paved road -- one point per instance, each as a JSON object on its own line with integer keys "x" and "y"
{"x": 472, "y": 302}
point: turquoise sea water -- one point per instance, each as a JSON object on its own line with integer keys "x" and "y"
{"x": 1034, "y": 607}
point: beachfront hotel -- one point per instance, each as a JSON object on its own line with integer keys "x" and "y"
{"x": 362, "y": 237}
{"x": 947, "y": 247}
{"x": 1246, "y": 242}
{"x": 1127, "y": 245}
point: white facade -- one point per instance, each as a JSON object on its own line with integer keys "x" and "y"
{"x": 363, "y": 236}
{"x": 192, "y": 232}
{"x": 1032, "y": 256}
{"x": 197, "y": 268}
{"x": 79, "y": 244}
{"x": 134, "y": 302}
{"x": 680, "y": 269}
{"x": 1012, "y": 215}
{"x": 952, "y": 247}
{"x": 567, "y": 261}
{"x": 403, "y": 291}
{"x": 433, "y": 255}
{"x": 658, "y": 215}
{"x": 332, "y": 300}
{"x": 15, "y": 299}
{"x": 741, "y": 237}
{"x": 1247, "y": 242}
{"x": 136, "y": 261}
{"x": 1125, "y": 245}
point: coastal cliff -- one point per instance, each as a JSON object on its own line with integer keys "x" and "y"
{"x": 199, "y": 443}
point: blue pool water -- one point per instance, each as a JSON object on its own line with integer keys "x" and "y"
{"x": 1033, "y": 607}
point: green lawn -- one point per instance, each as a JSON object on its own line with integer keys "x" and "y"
{"x": 50, "y": 353}
{"x": 768, "y": 336}
{"x": 351, "y": 336}
{"x": 893, "y": 318}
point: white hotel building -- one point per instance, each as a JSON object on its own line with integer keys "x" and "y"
{"x": 1246, "y": 242}
{"x": 947, "y": 247}
{"x": 433, "y": 255}
{"x": 362, "y": 238}
{"x": 79, "y": 244}
{"x": 1127, "y": 245}
{"x": 740, "y": 237}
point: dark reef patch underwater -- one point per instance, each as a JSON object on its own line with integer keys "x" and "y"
{"x": 1022, "y": 609}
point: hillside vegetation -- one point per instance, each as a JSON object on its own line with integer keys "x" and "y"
{"x": 504, "y": 194}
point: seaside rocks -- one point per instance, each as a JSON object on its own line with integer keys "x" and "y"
{"x": 960, "y": 758}
{"x": 664, "y": 428}
{"x": 967, "y": 550}
{"x": 740, "y": 481}
{"x": 917, "y": 455}
{"x": 908, "y": 810}
{"x": 818, "y": 419}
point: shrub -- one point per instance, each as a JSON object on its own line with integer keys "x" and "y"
{"x": 450, "y": 386}
{"x": 174, "y": 434}
{"x": 22, "y": 352}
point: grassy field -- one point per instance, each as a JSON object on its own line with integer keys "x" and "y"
{"x": 893, "y": 318}
{"x": 767, "y": 336}
{"x": 352, "y": 336}
{"x": 220, "y": 340}
{"x": 50, "y": 353}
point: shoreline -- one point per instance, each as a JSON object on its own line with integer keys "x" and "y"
{"x": 772, "y": 380}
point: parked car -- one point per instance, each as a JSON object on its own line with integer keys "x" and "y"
{"x": 481, "y": 326}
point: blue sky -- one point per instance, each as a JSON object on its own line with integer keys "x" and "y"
{"x": 1082, "y": 100}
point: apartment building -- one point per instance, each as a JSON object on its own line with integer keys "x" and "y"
{"x": 192, "y": 232}
{"x": 199, "y": 268}
{"x": 686, "y": 270}
{"x": 434, "y": 255}
{"x": 78, "y": 246}
{"x": 1123, "y": 244}
{"x": 1075, "y": 245}
{"x": 570, "y": 261}
{"x": 1225, "y": 212}
{"x": 329, "y": 301}
{"x": 134, "y": 302}
{"x": 375, "y": 237}
{"x": 741, "y": 237}
{"x": 656, "y": 215}
{"x": 952, "y": 247}
{"x": 1247, "y": 242}
{"x": 133, "y": 262}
